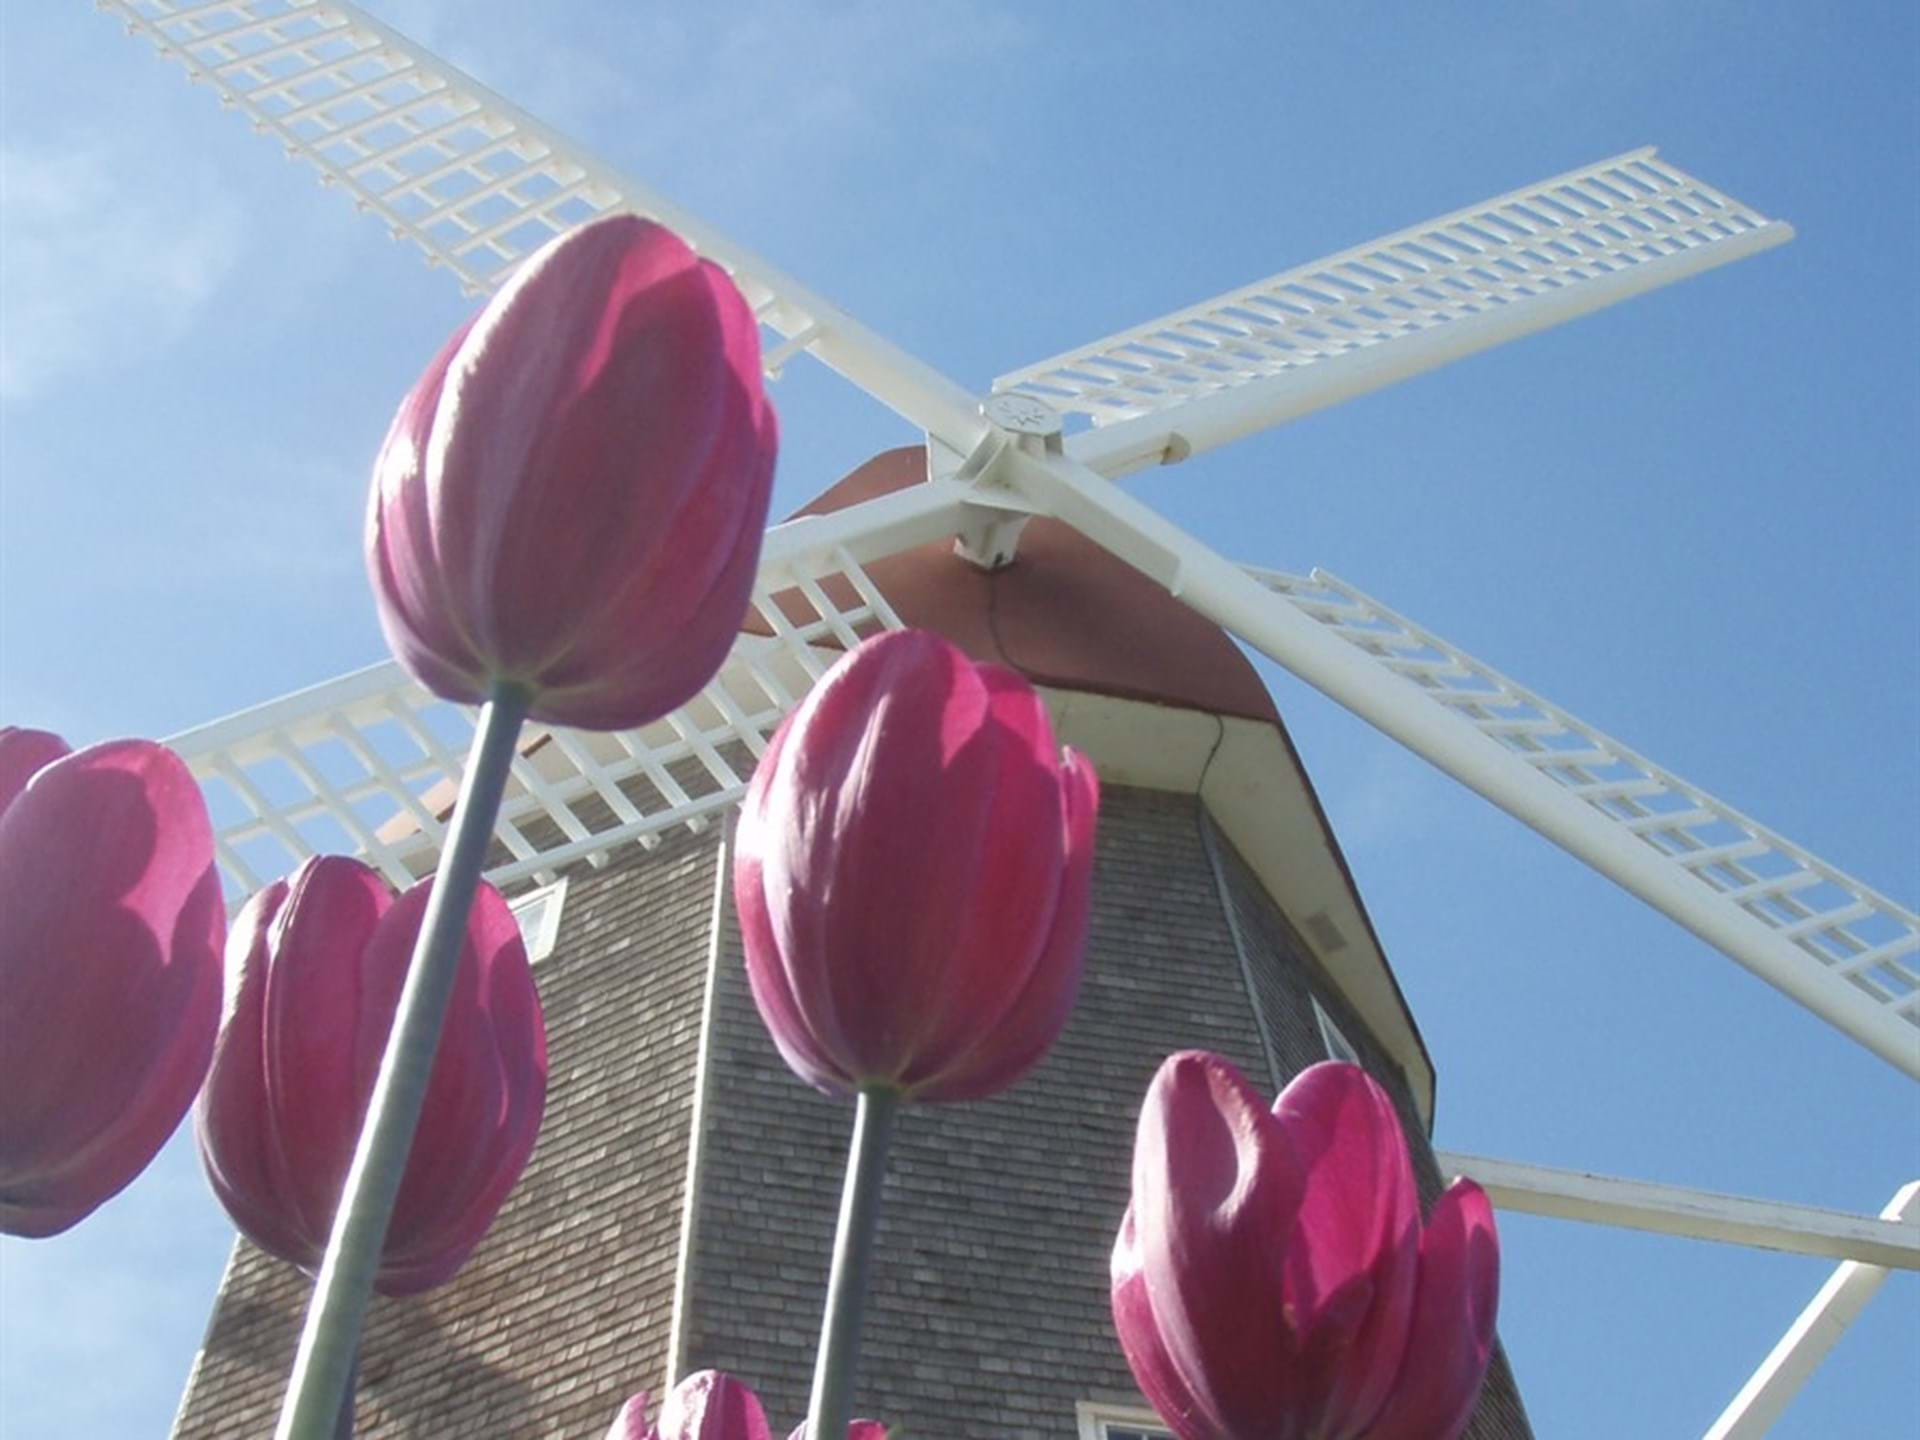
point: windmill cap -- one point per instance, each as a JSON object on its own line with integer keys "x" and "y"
{"x": 1065, "y": 613}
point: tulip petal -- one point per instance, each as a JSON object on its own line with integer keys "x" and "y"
{"x": 318, "y": 966}
{"x": 632, "y": 1422}
{"x": 712, "y": 1405}
{"x": 865, "y": 885}
{"x": 325, "y": 1026}
{"x": 233, "y": 1126}
{"x": 571, "y": 498}
{"x": 1452, "y": 1336}
{"x": 967, "y": 981}
{"x": 23, "y": 753}
{"x": 602, "y": 360}
{"x": 485, "y": 1097}
{"x": 1216, "y": 1192}
{"x": 856, "y": 1430}
{"x": 113, "y": 933}
{"x": 656, "y": 640}
{"x": 1351, "y": 1273}
{"x": 766, "y": 974}
{"x": 1153, "y": 1369}
{"x": 912, "y": 875}
{"x": 1015, "y": 1042}
{"x": 421, "y": 626}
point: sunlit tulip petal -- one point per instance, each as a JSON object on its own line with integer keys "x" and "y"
{"x": 109, "y": 969}
{"x": 712, "y": 1405}
{"x": 912, "y": 871}
{"x": 1453, "y": 1317}
{"x": 1270, "y": 1281}
{"x": 1350, "y": 1290}
{"x": 24, "y": 753}
{"x": 572, "y": 497}
{"x": 632, "y": 1422}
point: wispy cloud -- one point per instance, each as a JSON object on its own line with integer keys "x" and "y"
{"x": 301, "y": 527}
{"x": 1391, "y": 801}
{"x": 751, "y": 87}
{"x": 102, "y": 255}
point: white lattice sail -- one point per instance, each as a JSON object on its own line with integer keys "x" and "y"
{"x": 369, "y": 764}
{"x": 1549, "y": 241}
{"x": 1833, "y": 921}
{"x": 477, "y": 183}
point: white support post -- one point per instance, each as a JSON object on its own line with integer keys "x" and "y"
{"x": 1806, "y": 1343}
{"x": 1887, "y": 1242}
{"x": 1231, "y": 598}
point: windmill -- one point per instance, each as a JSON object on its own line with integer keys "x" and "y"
{"x": 365, "y": 105}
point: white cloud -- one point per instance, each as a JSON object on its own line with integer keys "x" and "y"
{"x": 101, "y": 256}
{"x": 1390, "y": 801}
{"x": 752, "y": 88}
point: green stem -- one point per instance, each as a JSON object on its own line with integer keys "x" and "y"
{"x": 852, "y": 1251}
{"x": 323, "y": 1368}
{"x": 343, "y": 1426}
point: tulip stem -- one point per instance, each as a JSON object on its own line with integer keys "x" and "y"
{"x": 343, "y": 1425}
{"x": 839, "y": 1355}
{"x": 330, "y": 1341}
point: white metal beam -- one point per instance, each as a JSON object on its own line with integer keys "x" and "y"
{"x": 1887, "y": 1242}
{"x": 1401, "y": 709}
{"x": 1839, "y": 1302}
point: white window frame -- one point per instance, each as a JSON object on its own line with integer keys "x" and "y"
{"x": 1338, "y": 1046}
{"x": 1095, "y": 1418}
{"x": 540, "y": 937}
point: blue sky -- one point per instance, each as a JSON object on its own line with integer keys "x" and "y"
{"x": 1691, "y": 520}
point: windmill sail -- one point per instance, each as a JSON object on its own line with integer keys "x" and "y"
{"x": 1321, "y": 333}
{"x": 477, "y": 183}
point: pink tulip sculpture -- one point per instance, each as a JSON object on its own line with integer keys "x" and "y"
{"x": 109, "y": 969}
{"x": 1272, "y": 1280}
{"x": 912, "y": 877}
{"x": 712, "y": 1405}
{"x": 564, "y": 525}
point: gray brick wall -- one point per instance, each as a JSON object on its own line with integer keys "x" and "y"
{"x": 989, "y": 1317}
{"x": 564, "y": 1309}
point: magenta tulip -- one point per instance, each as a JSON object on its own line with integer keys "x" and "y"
{"x": 110, "y": 929}
{"x": 912, "y": 875}
{"x": 1271, "y": 1280}
{"x": 315, "y": 967}
{"x": 712, "y": 1405}
{"x": 571, "y": 497}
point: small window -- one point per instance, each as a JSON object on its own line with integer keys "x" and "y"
{"x": 1120, "y": 1422}
{"x": 1338, "y": 1046}
{"x": 538, "y": 913}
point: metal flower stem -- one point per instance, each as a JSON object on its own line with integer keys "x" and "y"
{"x": 329, "y": 1343}
{"x": 852, "y": 1250}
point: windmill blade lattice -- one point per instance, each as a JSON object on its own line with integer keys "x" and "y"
{"x": 477, "y": 183}
{"x": 368, "y": 764}
{"x": 1839, "y": 929}
{"x": 1380, "y": 312}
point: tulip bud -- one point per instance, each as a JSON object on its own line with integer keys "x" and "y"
{"x": 110, "y": 929}
{"x": 912, "y": 875}
{"x": 1271, "y": 1277}
{"x": 571, "y": 498}
{"x": 713, "y": 1405}
{"x": 315, "y": 969}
